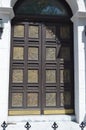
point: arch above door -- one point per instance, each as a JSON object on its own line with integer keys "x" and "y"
{"x": 73, "y": 4}
{"x": 37, "y": 7}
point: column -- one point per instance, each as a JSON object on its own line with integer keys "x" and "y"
{"x": 79, "y": 21}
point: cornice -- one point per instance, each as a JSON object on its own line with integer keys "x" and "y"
{"x": 78, "y": 15}
{"x": 6, "y": 11}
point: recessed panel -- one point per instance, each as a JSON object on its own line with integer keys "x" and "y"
{"x": 65, "y": 76}
{"x": 50, "y": 76}
{"x": 33, "y": 31}
{"x": 19, "y": 31}
{"x": 18, "y": 53}
{"x": 65, "y": 53}
{"x": 50, "y": 32}
{"x": 17, "y": 76}
{"x": 61, "y": 99}
{"x": 50, "y": 53}
{"x": 32, "y": 99}
{"x": 32, "y": 76}
{"x": 32, "y": 53}
{"x": 65, "y": 32}
{"x": 65, "y": 98}
{"x": 51, "y": 99}
{"x": 17, "y": 99}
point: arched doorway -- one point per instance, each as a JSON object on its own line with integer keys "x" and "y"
{"x": 41, "y": 74}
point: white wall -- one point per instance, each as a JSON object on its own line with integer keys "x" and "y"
{"x": 4, "y": 68}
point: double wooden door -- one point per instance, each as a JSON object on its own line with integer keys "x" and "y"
{"x": 41, "y": 76}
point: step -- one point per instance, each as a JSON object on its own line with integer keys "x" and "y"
{"x": 43, "y": 125}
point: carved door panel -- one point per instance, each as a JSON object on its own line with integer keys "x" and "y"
{"x": 41, "y": 67}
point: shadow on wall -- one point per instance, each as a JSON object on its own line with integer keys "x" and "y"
{"x": 12, "y": 3}
{"x": 84, "y": 118}
{"x": 84, "y": 41}
{"x": 85, "y": 3}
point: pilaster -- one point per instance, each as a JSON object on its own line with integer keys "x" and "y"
{"x": 5, "y": 14}
{"x": 79, "y": 20}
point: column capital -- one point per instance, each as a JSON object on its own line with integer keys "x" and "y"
{"x": 78, "y": 15}
{"x": 6, "y": 11}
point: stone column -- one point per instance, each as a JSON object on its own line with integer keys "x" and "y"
{"x": 79, "y": 21}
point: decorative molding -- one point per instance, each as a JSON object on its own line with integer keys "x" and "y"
{"x": 6, "y": 11}
{"x": 78, "y": 15}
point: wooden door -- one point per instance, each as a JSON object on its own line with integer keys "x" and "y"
{"x": 41, "y": 77}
